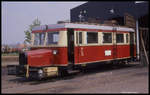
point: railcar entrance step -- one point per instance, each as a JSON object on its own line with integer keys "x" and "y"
{"x": 73, "y": 71}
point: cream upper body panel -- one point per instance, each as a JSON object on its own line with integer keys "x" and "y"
{"x": 63, "y": 34}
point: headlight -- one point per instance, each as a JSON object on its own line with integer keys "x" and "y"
{"x": 40, "y": 71}
{"x": 40, "y": 74}
{"x": 54, "y": 52}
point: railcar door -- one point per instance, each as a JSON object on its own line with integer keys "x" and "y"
{"x": 70, "y": 36}
{"x": 79, "y": 49}
{"x": 132, "y": 45}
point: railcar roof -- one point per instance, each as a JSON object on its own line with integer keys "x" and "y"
{"x": 82, "y": 26}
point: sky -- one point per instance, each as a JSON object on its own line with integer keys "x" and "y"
{"x": 17, "y": 16}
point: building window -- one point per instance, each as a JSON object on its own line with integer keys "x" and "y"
{"x": 107, "y": 37}
{"x": 92, "y": 37}
{"x": 127, "y": 38}
{"x": 119, "y": 38}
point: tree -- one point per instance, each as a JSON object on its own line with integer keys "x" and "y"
{"x": 27, "y": 40}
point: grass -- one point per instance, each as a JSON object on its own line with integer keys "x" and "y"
{"x": 10, "y": 54}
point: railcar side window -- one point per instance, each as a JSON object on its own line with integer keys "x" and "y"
{"x": 107, "y": 37}
{"x": 134, "y": 38}
{"x": 92, "y": 37}
{"x": 127, "y": 38}
{"x": 119, "y": 38}
{"x": 39, "y": 38}
{"x": 80, "y": 37}
{"x": 52, "y": 38}
{"x": 76, "y": 37}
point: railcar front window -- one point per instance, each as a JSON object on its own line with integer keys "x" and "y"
{"x": 52, "y": 38}
{"x": 39, "y": 38}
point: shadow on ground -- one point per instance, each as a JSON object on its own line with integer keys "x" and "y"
{"x": 87, "y": 71}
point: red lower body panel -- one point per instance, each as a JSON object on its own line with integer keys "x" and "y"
{"x": 61, "y": 58}
{"x": 84, "y": 54}
{"x": 99, "y": 53}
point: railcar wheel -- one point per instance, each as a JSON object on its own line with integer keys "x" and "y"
{"x": 83, "y": 69}
{"x": 63, "y": 72}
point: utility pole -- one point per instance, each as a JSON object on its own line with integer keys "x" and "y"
{"x": 137, "y": 40}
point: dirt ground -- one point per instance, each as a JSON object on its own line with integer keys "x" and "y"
{"x": 108, "y": 78}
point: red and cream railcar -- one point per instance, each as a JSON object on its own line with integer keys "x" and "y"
{"x": 58, "y": 48}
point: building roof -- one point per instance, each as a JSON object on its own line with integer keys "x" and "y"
{"x": 109, "y": 9}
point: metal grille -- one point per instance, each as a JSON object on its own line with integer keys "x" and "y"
{"x": 22, "y": 58}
